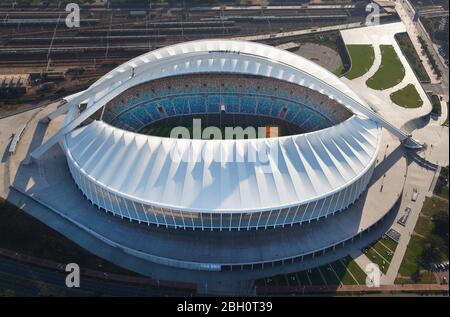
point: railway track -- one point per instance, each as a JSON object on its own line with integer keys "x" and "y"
{"x": 116, "y": 38}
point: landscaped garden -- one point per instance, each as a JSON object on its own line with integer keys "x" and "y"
{"x": 362, "y": 58}
{"x": 407, "y": 97}
{"x": 344, "y": 271}
{"x": 428, "y": 244}
{"x": 390, "y": 72}
{"x": 411, "y": 55}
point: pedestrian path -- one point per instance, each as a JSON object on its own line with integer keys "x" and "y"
{"x": 380, "y": 100}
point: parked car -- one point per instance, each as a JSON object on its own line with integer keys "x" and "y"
{"x": 415, "y": 194}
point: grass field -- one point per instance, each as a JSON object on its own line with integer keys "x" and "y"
{"x": 344, "y": 271}
{"x": 166, "y": 131}
{"x": 424, "y": 278}
{"x": 338, "y": 71}
{"x": 407, "y": 97}
{"x": 413, "y": 268}
{"x": 432, "y": 206}
{"x": 380, "y": 252}
{"x": 423, "y": 226}
{"x": 362, "y": 57}
{"x": 410, "y": 261}
{"x": 390, "y": 72}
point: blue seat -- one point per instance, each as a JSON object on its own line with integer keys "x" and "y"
{"x": 142, "y": 115}
{"x": 131, "y": 120}
{"x": 146, "y": 96}
{"x": 292, "y": 110}
{"x": 248, "y": 105}
{"x": 119, "y": 108}
{"x": 264, "y": 106}
{"x": 108, "y": 116}
{"x": 213, "y": 103}
{"x": 302, "y": 115}
{"x": 198, "y": 104}
{"x": 231, "y": 103}
{"x": 315, "y": 122}
{"x": 133, "y": 102}
{"x": 120, "y": 124}
{"x": 168, "y": 106}
{"x": 181, "y": 105}
{"x": 311, "y": 120}
{"x": 277, "y": 105}
{"x": 152, "y": 109}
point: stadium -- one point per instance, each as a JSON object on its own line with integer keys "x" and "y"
{"x": 212, "y": 205}
{"x": 324, "y": 161}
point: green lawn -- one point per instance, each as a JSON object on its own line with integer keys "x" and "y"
{"x": 166, "y": 131}
{"x": 424, "y": 277}
{"x": 410, "y": 263}
{"x": 338, "y": 71}
{"x": 423, "y": 226}
{"x": 377, "y": 259}
{"x": 427, "y": 229}
{"x": 362, "y": 57}
{"x": 391, "y": 71}
{"x": 356, "y": 272}
{"x": 383, "y": 251}
{"x": 411, "y": 55}
{"x": 407, "y": 97}
{"x": 316, "y": 277}
{"x": 329, "y": 275}
{"x": 432, "y": 206}
{"x": 379, "y": 253}
{"x": 344, "y": 271}
{"x": 389, "y": 243}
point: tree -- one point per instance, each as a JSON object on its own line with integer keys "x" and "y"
{"x": 432, "y": 251}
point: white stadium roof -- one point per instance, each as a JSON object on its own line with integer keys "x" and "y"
{"x": 138, "y": 167}
{"x": 308, "y": 167}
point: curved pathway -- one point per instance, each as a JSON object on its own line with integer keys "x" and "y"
{"x": 380, "y": 99}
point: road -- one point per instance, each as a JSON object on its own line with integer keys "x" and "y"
{"x": 279, "y": 35}
{"x": 406, "y": 12}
